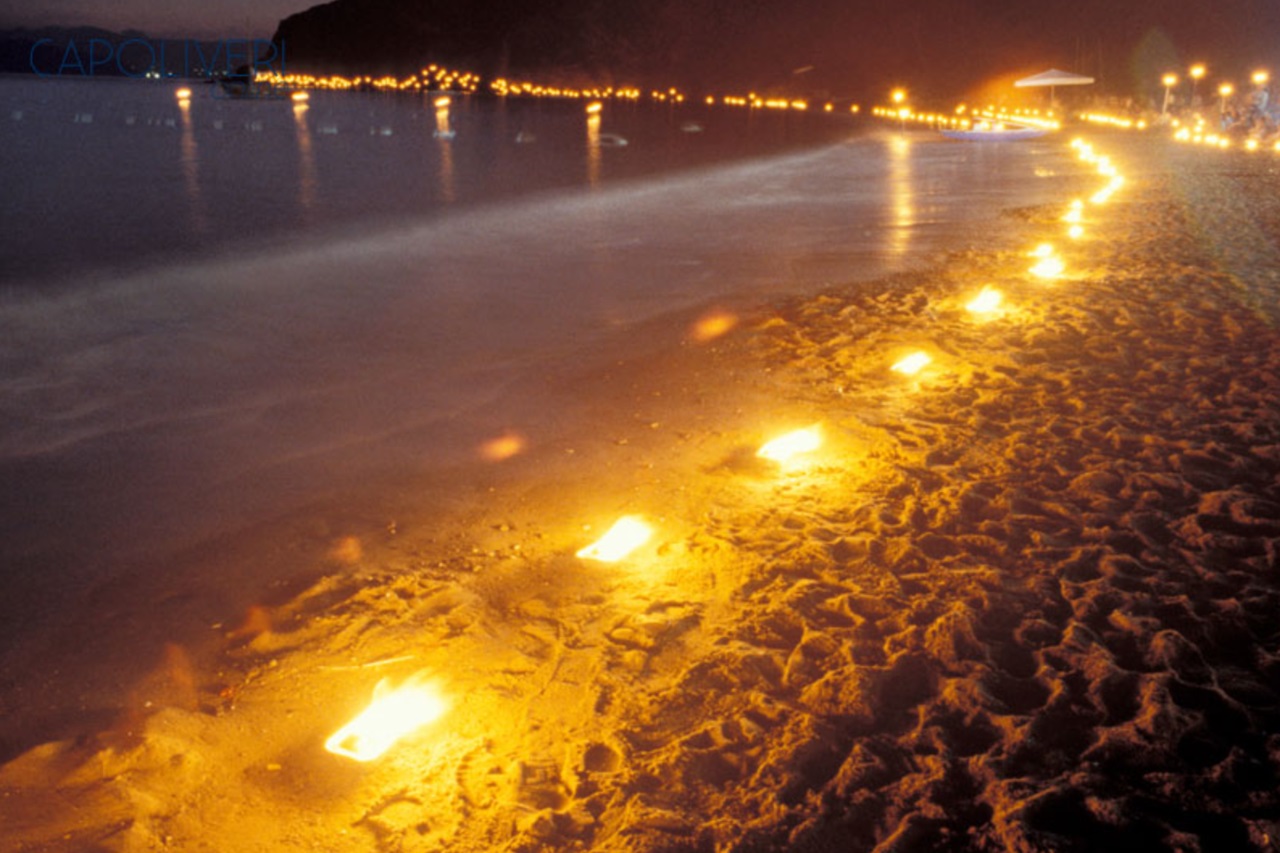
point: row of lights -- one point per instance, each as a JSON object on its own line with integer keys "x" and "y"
{"x": 397, "y": 712}
{"x": 1197, "y": 72}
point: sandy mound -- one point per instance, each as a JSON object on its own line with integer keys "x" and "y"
{"x": 1023, "y": 600}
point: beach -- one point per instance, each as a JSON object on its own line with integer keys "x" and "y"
{"x": 1023, "y": 599}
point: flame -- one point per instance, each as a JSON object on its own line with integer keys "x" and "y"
{"x": 393, "y": 713}
{"x": 627, "y": 534}
{"x": 782, "y": 448}
{"x": 912, "y": 364}
{"x": 1049, "y": 267}
{"x": 986, "y": 302}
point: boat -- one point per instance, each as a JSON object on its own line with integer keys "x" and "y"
{"x": 244, "y": 89}
{"x": 999, "y": 132}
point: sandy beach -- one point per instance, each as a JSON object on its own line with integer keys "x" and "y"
{"x": 1022, "y": 600}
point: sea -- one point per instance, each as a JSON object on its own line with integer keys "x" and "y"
{"x": 216, "y": 312}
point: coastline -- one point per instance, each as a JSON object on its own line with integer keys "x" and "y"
{"x": 1021, "y": 602}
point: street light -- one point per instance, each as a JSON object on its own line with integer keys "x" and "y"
{"x": 1169, "y": 81}
{"x": 1260, "y": 77}
{"x": 1196, "y": 72}
{"x": 899, "y": 97}
{"x": 1225, "y": 90}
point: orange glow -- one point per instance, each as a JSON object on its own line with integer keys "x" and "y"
{"x": 1075, "y": 232}
{"x": 713, "y": 325}
{"x": 1048, "y": 268}
{"x": 1044, "y": 250}
{"x": 183, "y": 94}
{"x": 912, "y": 364}
{"x": 627, "y": 534}
{"x": 441, "y": 102}
{"x": 784, "y": 448}
{"x": 986, "y": 302}
{"x": 300, "y": 96}
{"x": 392, "y": 714}
{"x": 257, "y": 621}
{"x": 594, "y": 108}
{"x": 503, "y": 447}
{"x": 347, "y": 550}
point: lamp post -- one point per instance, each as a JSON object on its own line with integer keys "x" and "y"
{"x": 1225, "y": 91}
{"x": 1258, "y": 101}
{"x": 1169, "y": 81}
{"x": 899, "y": 97}
{"x": 1196, "y": 72}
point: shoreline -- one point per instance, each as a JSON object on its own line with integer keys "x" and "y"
{"x": 1020, "y": 602}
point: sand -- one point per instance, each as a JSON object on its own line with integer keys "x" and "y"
{"x": 1024, "y": 600}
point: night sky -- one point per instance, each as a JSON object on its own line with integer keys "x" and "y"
{"x": 929, "y": 44}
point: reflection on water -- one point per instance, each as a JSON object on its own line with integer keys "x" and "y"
{"x": 593, "y": 149}
{"x": 306, "y": 158}
{"x": 191, "y": 169}
{"x": 902, "y": 195}
{"x": 444, "y": 135}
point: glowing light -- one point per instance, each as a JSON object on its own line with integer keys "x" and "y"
{"x": 627, "y": 534}
{"x": 1169, "y": 80}
{"x": 1048, "y": 268}
{"x": 898, "y": 95}
{"x": 1073, "y": 216}
{"x": 713, "y": 325}
{"x": 391, "y": 715}
{"x": 986, "y": 302}
{"x": 1196, "y": 72}
{"x": 1075, "y": 232}
{"x": 1044, "y": 250}
{"x": 1260, "y": 77}
{"x": 441, "y": 102}
{"x": 912, "y": 364}
{"x": 784, "y": 448}
{"x": 347, "y": 550}
{"x": 503, "y": 447}
{"x": 594, "y": 108}
{"x": 183, "y": 94}
{"x": 300, "y": 97}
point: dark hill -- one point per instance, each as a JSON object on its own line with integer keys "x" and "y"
{"x": 936, "y": 46}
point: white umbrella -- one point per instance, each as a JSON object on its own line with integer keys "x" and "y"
{"x": 1051, "y": 78}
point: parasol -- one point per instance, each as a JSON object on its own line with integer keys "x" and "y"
{"x": 1053, "y": 78}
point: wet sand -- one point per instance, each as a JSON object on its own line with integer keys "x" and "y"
{"x": 1024, "y": 600}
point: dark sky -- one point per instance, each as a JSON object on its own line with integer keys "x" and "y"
{"x": 932, "y": 45}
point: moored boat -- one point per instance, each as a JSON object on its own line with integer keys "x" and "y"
{"x": 999, "y": 132}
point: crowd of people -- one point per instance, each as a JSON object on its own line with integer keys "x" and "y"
{"x": 1246, "y": 114}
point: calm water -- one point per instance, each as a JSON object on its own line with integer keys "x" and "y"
{"x": 217, "y": 313}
